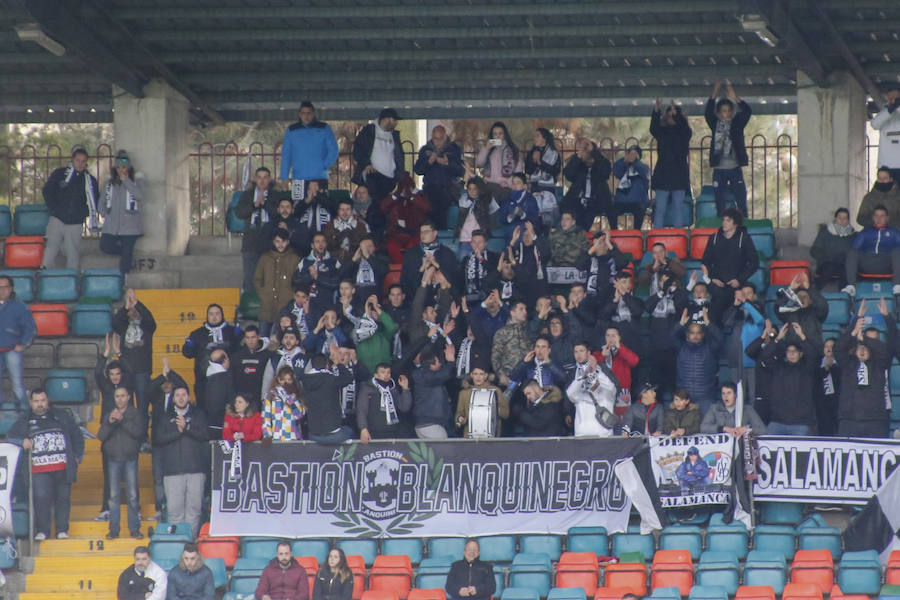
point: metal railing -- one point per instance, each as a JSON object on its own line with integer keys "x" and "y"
{"x": 217, "y": 171}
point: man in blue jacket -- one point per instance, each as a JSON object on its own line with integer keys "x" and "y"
{"x": 17, "y": 331}
{"x": 875, "y": 249}
{"x": 309, "y": 148}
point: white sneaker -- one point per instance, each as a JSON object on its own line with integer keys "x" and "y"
{"x": 62, "y": 535}
{"x": 40, "y": 537}
{"x": 897, "y": 289}
{"x": 850, "y": 290}
{"x": 103, "y": 516}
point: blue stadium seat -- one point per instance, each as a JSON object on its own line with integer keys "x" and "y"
{"x": 764, "y": 567}
{"x": 682, "y": 537}
{"x": 312, "y": 547}
{"x": 874, "y": 290}
{"x": 90, "y": 319}
{"x": 497, "y": 548}
{"x": 895, "y": 379}
{"x": 57, "y": 285}
{"x": 259, "y": 547}
{"x": 5, "y": 221}
{"x": 718, "y": 568}
{"x": 551, "y": 545}
{"x": 780, "y": 513}
{"x": 238, "y": 596}
{"x": 665, "y": 593}
{"x": 452, "y": 217}
{"x": 860, "y": 572}
{"x": 566, "y": 594}
{"x": 23, "y": 283}
{"x": 531, "y": 571}
{"x": 101, "y": 283}
{"x": 368, "y": 549}
{"x": 633, "y": 541}
{"x": 248, "y": 566}
{"x": 411, "y": 547}
{"x": 217, "y": 566}
{"x": 496, "y": 244}
{"x": 588, "y": 539}
{"x": 244, "y": 585}
{"x": 760, "y": 278}
{"x": 838, "y": 307}
{"x": 172, "y": 531}
{"x": 730, "y": 538}
{"x": 708, "y": 592}
{"x": 815, "y": 534}
{"x": 518, "y": 593}
{"x": 432, "y": 572}
{"x": 166, "y": 550}
{"x": 446, "y": 546}
{"x": 499, "y": 580}
{"x": 31, "y": 219}
{"x": 777, "y": 539}
{"x": 66, "y": 386}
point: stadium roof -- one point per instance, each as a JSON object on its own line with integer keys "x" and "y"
{"x": 243, "y": 60}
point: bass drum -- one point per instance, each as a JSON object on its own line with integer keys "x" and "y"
{"x": 483, "y": 414}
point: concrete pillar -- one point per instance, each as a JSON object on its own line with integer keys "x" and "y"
{"x": 154, "y": 131}
{"x": 832, "y": 161}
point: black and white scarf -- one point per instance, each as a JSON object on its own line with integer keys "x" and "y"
{"x": 430, "y": 249}
{"x": 260, "y": 215}
{"x": 365, "y": 275}
{"x": 341, "y": 225}
{"x": 298, "y": 191}
{"x": 476, "y": 273}
{"x": 94, "y": 215}
{"x": 664, "y": 307}
{"x": 594, "y": 270}
{"x": 506, "y": 289}
{"x": 722, "y": 138}
{"x": 130, "y": 200}
{"x": 586, "y": 192}
{"x": 464, "y": 358}
{"x": 216, "y": 332}
{"x": 387, "y": 401}
{"x": 235, "y": 450}
{"x": 300, "y": 320}
{"x": 623, "y": 313}
{"x": 348, "y": 396}
{"x": 315, "y": 217}
{"x": 364, "y": 327}
{"x": 862, "y": 375}
{"x": 828, "y": 380}
{"x": 540, "y": 177}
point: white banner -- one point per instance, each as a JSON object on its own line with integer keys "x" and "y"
{"x": 693, "y": 469}
{"x": 822, "y": 469}
{"x": 9, "y": 459}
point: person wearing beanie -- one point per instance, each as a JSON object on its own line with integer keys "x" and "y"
{"x": 378, "y": 156}
{"x": 633, "y": 187}
{"x": 120, "y": 206}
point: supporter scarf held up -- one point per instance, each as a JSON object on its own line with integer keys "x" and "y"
{"x": 130, "y": 200}
{"x": 94, "y": 215}
{"x": 216, "y": 334}
{"x": 387, "y": 400}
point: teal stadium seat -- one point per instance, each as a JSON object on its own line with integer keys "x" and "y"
{"x": 91, "y": 319}
{"x": 708, "y": 592}
{"x": 232, "y": 222}
{"x": 678, "y": 537}
{"x": 368, "y": 549}
{"x": 551, "y": 545}
{"x": 241, "y": 584}
{"x": 517, "y": 593}
{"x": 588, "y": 539}
{"x": 633, "y": 541}
{"x": 497, "y": 548}
{"x": 172, "y": 531}
{"x": 732, "y": 537}
{"x": 780, "y": 513}
{"x": 101, "y": 283}
{"x": 312, "y": 547}
{"x": 838, "y": 308}
{"x": 31, "y": 219}
{"x": 566, "y": 594}
{"x": 778, "y": 539}
{"x": 217, "y": 566}
{"x": 665, "y": 593}
{"x": 446, "y": 546}
{"x": 5, "y": 221}
{"x": 719, "y": 569}
{"x": 411, "y": 547}
{"x": 531, "y": 571}
{"x": 815, "y": 534}
{"x": 259, "y": 547}
{"x": 23, "y": 283}
{"x": 860, "y": 572}
{"x": 764, "y": 567}
{"x": 66, "y": 386}
{"x": 57, "y": 285}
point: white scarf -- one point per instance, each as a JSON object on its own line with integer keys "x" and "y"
{"x": 260, "y": 215}
{"x": 387, "y": 401}
{"x": 298, "y": 191}
{"x": 286, "y": 357}
{"x": 130, "y": 200}
{"x": 862, "y": 375}
{"x": 235, "y": 449}
{"x": 586, "y": 193}
{"x": 828, "y": 381}
{"x": 341, "y": 225}
{"x": 665, "y": 307}
{"x": 537, "y": 258}
{"x": 94, "y": 216}
{"x": 365, "y": 275}
{"x": 549, "y": 156}
{"x": 348, "y": 397}
{"x": 623, "y": 313}
{"x": 364, "y": 327}
{"x": 539, "y": 372}
{"x": 476, "y": 273}
{"x": 300, "y": 320}
{"x": 214, "y": 369}
{"x": 464, "y": 359}
{"x": 315, "y": 222}
{"x": 216, "y": 332}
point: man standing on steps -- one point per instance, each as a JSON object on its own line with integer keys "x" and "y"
{"x": 56, "y": 446}
{"x": 71, "y": 195}
{"x": 17, "y": 331}
{"x": 135, "y": 326}
{"x": 144, "y": 580}
{"x": 161, "y": 392}
{"x": 120, "y": 432}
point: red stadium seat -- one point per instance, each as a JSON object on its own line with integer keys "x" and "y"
{"x": 628, "y": 240}
{"x": 672, "y": 568}
{"x": 699, "y": 239}
{"x": 875, "y": 276}
{"x": 814, "y": 567}
{"x": 311, "y": 564}
{"x": 51, "y": 319}
{"x": 379, "y": 595}
{"x": 782, "y": 272}
{"x": 578, "y": 558}
{"x": 801, "y": 591}
{"x": 226, "y": 548}
{"x": 390, "y": 279}
{"x": 357, "y": 566}
{"x": 393, "y": 573}
{"x": 755, "y": 592}
{"x": 675, "y": 240}
{"x": 892, "y": 570}
{"x": 577, "y": 576}
{"x": 614, "y": 593}
{"x": 435, "y": 594}
{"x": 632, "y": 576}
{"x": 24, "y": 251}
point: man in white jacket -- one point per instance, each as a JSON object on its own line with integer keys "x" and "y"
{"x": 593, "y": 387}
{"x": 144, "y": 579}
{"x": 887, "y": 122}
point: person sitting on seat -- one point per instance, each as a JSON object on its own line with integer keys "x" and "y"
{"x": 144, "y": 580}
{"x": 470, "y": 577}
{"x": 830, "y": 248}
{"x": 283, "y": 577}
{"x": 884, "y": 192}
{"x": 875, "y": 251}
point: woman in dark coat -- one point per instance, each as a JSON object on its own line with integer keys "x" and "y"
{"x": 671, "y": 179}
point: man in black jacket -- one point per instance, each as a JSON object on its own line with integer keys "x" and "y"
{"x": 256, "y": 206}
{"x": 863, "y": 363}
{"x": 135, "y": 326}
{"x": 588, "y": 174}
{"x": 248, "y": 365}
{"x": 428, "y": 252}
{"x": 378, "y": 156}
{"x": 431, "y": 402}
{"x": 214, "y": 333}
{"x": 320, "y": 273}
{"x": 727, "y": 118}
{"x": 219, "y": 392}
{"x": 322, "y": 392}
{"x": 440, "y": 164}
{"x": 108, "y": 375}
{"x": 71, "y": 194}
{"x": 160, "y": 395}
{"x": 120, "y": 432}
{"x": 542, "y": 415}
{"x": 730, "y": 259}
{"x": 57, "y": 447}
{"x": 791, "y": 366}
{"x": 471, "y": 578}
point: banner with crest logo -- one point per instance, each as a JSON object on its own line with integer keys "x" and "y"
{"x": 693, "y": 469}
{"x": 414, "y": 488}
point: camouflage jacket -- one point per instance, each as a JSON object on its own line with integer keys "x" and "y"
{"x": 511, "y": 344}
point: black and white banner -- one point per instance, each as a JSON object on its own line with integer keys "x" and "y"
{"x": 823, "y": 470}
{"x": 693, "y": 469}
{"x": 9, "y": 460}
{"x": 412, "y": 488}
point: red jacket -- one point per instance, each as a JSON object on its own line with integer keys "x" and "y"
{"x": 622, "y": 364}
{"x": 250, "y": 426}
{"x": 283, "y": 584}
{"x": 412, "y": 210}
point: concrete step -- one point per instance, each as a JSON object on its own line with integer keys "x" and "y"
{"x": 76, "y": 564}
{"x": 64, "y": 595}
{"x": 89, "y": 581}
{"x": 87, "y": 512}
{"x": 98, "y": 529}
{"x": 86, "y": 547}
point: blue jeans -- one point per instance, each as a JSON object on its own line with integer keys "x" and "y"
{"x": 338, "y": 437}
{"x": 159, "y": 490}
{"x": 52, "y": 495}
{"x": 121, "y": 246}
{"x": 13, "y": 362}
{"x": 774, "y": 428}
{"x": 669, "y": 200}
{"x": 730, "y": 179}
{"x": 127, "y": 470}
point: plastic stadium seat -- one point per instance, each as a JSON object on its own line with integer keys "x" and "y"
{"x": 311, "y": 547}
{"x": 838, "y": 307}
{"x": 429, "y": 594}
{"x": 66, "y": 386}
{"x": 391, "y": 278}
{"x": 718, "y": 568}
{"x": 358, "y": 568}
{"x": 551, "y": 545}
{"x": 815, "y": 534}
{"x": 217, "y": 566}
{"x": 730, "y": 538}
{"x": 708, "y": 592}
{"x": 672, "y": 568}
{"x": 531, "y": 570}
{"x": 815, "y": 567}
{"x": 517, "y": 593}
{"x": 588, "y": 539}
{"x": 675, "y": 240}
{"x": 874, "y": 289}
{"x": 244, "y": 585}
{"x": 578, "y": 570}
{"x": 446, "y": 546}
{"x": 496, "y": 244}
{"x": 172, "y": 531}
{"x": 380, "y": 595}
{"x": 24, "y": 252}
{"x": 5, "y": 221}
{"x": 802, "y": 591}
{"x": 166, "y": 550}
{"x": 452, "y": 217}
{"x": 614, "y": 593}
{"x": 57, "y": 285}
{"x": 781, "y": 272}
{"x": 578, "y": 558}
{"x": 392, "y": 563}
{"x": 764, "y": 567}
{"x": 31, "y": 219}
{"x": 250, "y": 565}
{"x": 412, "y": 547}
{"x": 860, "y": 572}
{"x": 666, "y": 593}
{"x": 497, "y": 548}
{"x": 775, "y": 538}
{"x": 391, "y": 573}
{"x": 248, "y": 306}
{"x": 499, "y": 580}
{"x": 837, "y": 594}
{"x": 101, "y": 283}
{"x": 259, "y": 547}
{"x": 628, "y": 240}
{"x": 755, "y": 592}
{"x": 368, "y": 549}
{"x": 23, "y": 283}
{"x": 760, "y": 278}
{"x": 632, "y": 576}
{"x": 568, "y": 593}
{"x": 892, "y": 569}
{"x": 699, "y": 240}
{"x": 225, "y": 548}
{"x": 633, "y": 541}
{"x": 311, "y": 565}
{"x": 92, "y": 320}
{"x": 430, "y": 579}
{"x": 676, "y": 537}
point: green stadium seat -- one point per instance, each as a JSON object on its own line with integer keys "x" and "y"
{"x": 248, "y": 309}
